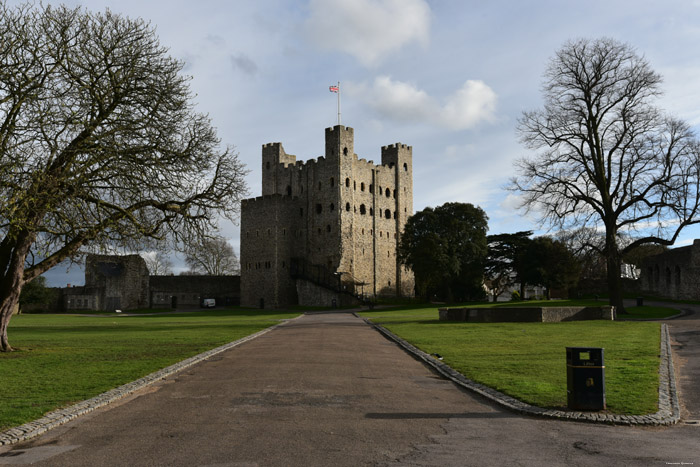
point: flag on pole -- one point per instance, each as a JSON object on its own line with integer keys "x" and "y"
{"x": 333, "y": 88}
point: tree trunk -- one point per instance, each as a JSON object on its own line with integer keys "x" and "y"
{"x": 614, "y": 281}
{"x": 11, "y": 284}
{"x": 7, "y": 307}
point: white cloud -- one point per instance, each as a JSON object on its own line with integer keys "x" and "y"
{"x": 369, "y": 30}
{"x": 473, "y": 103}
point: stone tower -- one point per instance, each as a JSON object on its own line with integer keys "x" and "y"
{"x": 326, "y": 229}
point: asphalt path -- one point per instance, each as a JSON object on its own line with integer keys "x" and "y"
{"x": 328, "y": 390}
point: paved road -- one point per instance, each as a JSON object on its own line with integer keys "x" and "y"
{"x": 326, "y": 389}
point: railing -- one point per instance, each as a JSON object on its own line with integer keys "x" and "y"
{"x": 340, "y": 282}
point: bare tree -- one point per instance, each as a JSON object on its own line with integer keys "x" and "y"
{"x": 609, "y": 159}
{"x": 158, "y": 263}
{"x": 214, "y": 256}
{"x": 99, "y": 143}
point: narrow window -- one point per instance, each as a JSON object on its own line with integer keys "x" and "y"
{"x": 387, "y": 193}
{"x": 405, "y": 167}
{"x": 332, "y": 207}
{"x": 362, "y": 186}
{"x": 362, "y": 209}
{"x": 345, "y": 151}
{"x": 347, "y": 182}
{"x": 371, "y": 188}
{"x": 371, "y": 212}
{"x": 267, "y": 166}
{"x": 387, "y": 214}
{"x": 347, "y": 207}
{"x": 328, "y": 228}
{"x": 319, "y": 208}
{"x": 289, "y": 190}
{"x": 319, "y": 185}
{"x": 332, "y": 182}
{"x": 301, "y": 212}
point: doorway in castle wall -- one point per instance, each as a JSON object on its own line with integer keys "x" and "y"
{"x": 113, "y": 303}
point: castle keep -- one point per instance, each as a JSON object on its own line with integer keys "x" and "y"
{"x": 327, "y": 229}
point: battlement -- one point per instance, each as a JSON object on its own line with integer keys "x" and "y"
{"x": 341, "y": 128}
{"x": 271, "y": 145}
{"x": 397, "y": 146}
{"x": 266, "y": 198}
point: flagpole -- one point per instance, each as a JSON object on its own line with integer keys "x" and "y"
{"x": 338, "y": 102}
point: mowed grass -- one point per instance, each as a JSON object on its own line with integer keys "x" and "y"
{"x": 63, "y": 359}
{"x": 528, "y": 360}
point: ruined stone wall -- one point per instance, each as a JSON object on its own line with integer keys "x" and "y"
{"x": 123, "y": 281}
{"x": 189, "y": 291}
{"x": 344, "y": 213}
{"x": 673, "y": 274}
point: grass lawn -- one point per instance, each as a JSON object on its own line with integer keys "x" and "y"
{"x": 528, "y": 360}
{"x": 64, "y": 359}
{"x": 648, "y": 312}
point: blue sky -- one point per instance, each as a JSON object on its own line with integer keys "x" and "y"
{"x": 448, "y": 77}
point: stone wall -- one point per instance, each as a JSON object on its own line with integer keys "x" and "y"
{"x": 122, "y": 281}
{"x": 338, "y": 211}
{"x": 673, "y": 274}
{"x": 526, "y": 314}
{"x": 190, "y": 291}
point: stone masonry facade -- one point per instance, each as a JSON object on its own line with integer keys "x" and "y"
{"x": 674, "y": 273}
{"x": 114, "y": 282}
{"x": 337, "y": 213}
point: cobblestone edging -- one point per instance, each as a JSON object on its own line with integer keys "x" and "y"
{"x": 59, "y": 417}
{"x": 669, "y": 408}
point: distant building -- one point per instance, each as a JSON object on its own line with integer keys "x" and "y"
{"x": 123, "y": 283}
{"x": 326, "y": 230}
{"x": 673, "y": 274}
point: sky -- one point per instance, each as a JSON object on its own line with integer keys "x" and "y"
{"x": 448, "y": 77}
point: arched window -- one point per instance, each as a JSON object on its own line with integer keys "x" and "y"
{"x": 405, "y": 167}
{"x": 347, "y": 207}
{"x": 387, "y": 214}
{"x": 362, "y": 186}
{"x": 345, "y": 151}
{"x": 347, "y": 182}
{"x": 388, "y": 193}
